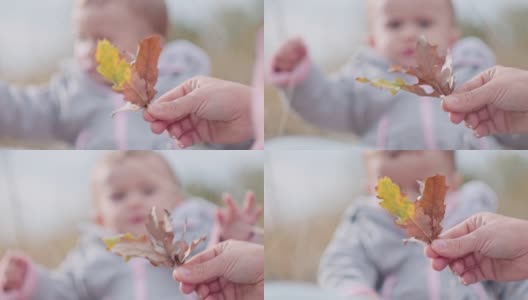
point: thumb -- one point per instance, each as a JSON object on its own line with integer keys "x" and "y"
{"x": 468, "y": 101}
{"x": 173, "y": 110}
{"x": 456, "y": 248}
{"x": 201, "y": 273}
{"x": 472, "y": 96}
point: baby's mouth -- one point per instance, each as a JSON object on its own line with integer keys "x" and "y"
{"x": 138, "y": 220}
{"x": 409, "y": 52}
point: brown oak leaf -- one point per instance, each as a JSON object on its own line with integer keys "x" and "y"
{"x": 158, "y": 246}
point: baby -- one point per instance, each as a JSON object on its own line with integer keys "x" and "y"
{"x": 76, "y": 106}
{"x": 125, "y": 186}
{"x": 367, "y": 256}
{"x": 401, "y": 122}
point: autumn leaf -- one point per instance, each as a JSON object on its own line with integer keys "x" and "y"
{"x": 421, "y": 218}
{"x": 158, "y": 246}
{"x": 431, "y": 70}
{"x": 135, "y": 80}
{"x": 394, "y": 86}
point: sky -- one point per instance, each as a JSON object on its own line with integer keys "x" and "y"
{"x": 51, "y": 188}
{"x": 26, "y": 25}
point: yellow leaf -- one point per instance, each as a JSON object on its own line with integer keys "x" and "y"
{"x": 136, "y": 81}
{"x": 111, "y": 65}
{"x": 393, "y": 86}
{"x": 394, "y": 201}
{"x": 420, "y": 219}
{"x": 112, "y": 241}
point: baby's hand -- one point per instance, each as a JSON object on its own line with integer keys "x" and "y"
{"x": 13, "y": 269}
{"x": 289, "y": 55}
{"x": 236, "y": 223}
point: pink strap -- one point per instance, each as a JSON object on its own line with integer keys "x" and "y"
{"x": 483, "y": 144}
{"x": 120, "y": 129}
{"x": 433, "y": 282}
{"x": 138, "y": 271}
{"x": 479, "y": 289}
{"x": 382, "y": 132}
{"x": 82, "y": 140}
{"x": 388, "y": 287}
{"x": 428, "y": 121}
{"x": 360, "y": 291}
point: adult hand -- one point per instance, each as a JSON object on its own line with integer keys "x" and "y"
{"x": 484, "y": 247}
{"x": 231, "y": 270}
{"x": 496, "y": 101}
{"x": 203, "y": 109}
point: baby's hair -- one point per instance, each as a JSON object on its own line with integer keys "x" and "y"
{"x": 116, "y": 158}
{"x": 450, "y": 4}
{"x": 153, "y": 11}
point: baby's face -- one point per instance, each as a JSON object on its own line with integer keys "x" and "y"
{"x": 126, "y": 193}
{"x": 396, "y": 26}
{"x": 113, "y": 22}
{"x": 407, "y": 167}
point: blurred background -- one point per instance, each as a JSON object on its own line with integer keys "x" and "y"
{"x": 45, "y": 195}
{"x": 501, "y": 24}
{"x": 225, "y": 29}
{"x": 308, "y": 191}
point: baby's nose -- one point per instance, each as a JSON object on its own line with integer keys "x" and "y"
{"x": 411, "y": 35}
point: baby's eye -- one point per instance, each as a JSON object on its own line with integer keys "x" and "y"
{"x": 118, "y": 196}
{"x": 394, "y": 24}
{"x": 149, "y": 191}
{"x": 425, "y": 23}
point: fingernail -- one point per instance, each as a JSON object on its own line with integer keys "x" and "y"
{"x": 477, "y": 135}
{"x": 182, "y": 272}
{"x": 469, "y": 125}
{"x": 462, "y": 281}
{"x": 178, "y": 143}
{"x": 439, "y": 245}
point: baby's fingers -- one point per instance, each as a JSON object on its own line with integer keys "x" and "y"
{"x": 249, "y": 204}
{"x": 257, "y": 214}
{"x": 231, "y": 205}
{"x": 220, "y": 219}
